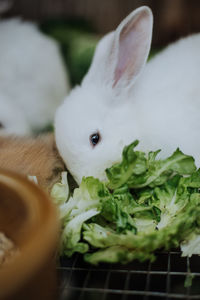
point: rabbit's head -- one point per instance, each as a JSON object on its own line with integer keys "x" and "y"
{"x": 95, "y": 122}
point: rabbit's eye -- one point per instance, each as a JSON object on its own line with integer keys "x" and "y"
{"x": 95, "y": 138}
{"x": 1, "y": 125}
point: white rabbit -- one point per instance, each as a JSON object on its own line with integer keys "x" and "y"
{"x": 33, "y": 79}
{"x": 122, "y": 99}
{"x": 12, "y": 120}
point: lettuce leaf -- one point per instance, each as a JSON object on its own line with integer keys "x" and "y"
{"x": 144, "y": 243}
{"x": 138, "y": 170}
{"x": 75, "y": 211}
{"x": 145, "y": 205}
{"x": 60, "y": 190}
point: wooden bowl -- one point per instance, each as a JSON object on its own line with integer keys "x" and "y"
{"x": 29, "y": 219}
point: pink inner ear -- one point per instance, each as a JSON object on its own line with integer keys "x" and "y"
{"x": 133, "y": 46}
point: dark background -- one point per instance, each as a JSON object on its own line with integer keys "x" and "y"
{"x": 173, "y": 18}
{"x": 78, "y": 24}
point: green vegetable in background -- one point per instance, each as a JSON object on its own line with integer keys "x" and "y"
{"x": 78, "y": 43}
{"x": 145, "y": 205}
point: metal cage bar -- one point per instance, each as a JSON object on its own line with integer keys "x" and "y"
{"x": 163, "y": 279}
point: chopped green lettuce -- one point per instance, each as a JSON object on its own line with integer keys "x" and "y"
{"x": 138, "y": 170}
{"x": 191, "y": 245}
{"x": 145, "y": 205}
{"x": 60, "y": 190}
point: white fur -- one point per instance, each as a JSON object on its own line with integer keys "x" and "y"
{"x": 12, "y": 118}
{"x": 33, "y": 80}
{"x": 161, "y": 108}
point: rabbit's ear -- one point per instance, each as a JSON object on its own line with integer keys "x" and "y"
{"x": 121, "y": 54}
{"x": 131, "y": 46}
{"x": 102, "y": 67}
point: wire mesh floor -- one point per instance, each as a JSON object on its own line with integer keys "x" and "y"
{"x": 163, "y": 279}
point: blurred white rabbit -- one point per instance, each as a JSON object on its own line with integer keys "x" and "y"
{"x": 33, "y": 78}
{"x": 12, "y": 119}
{"x": 122, "y": 99}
